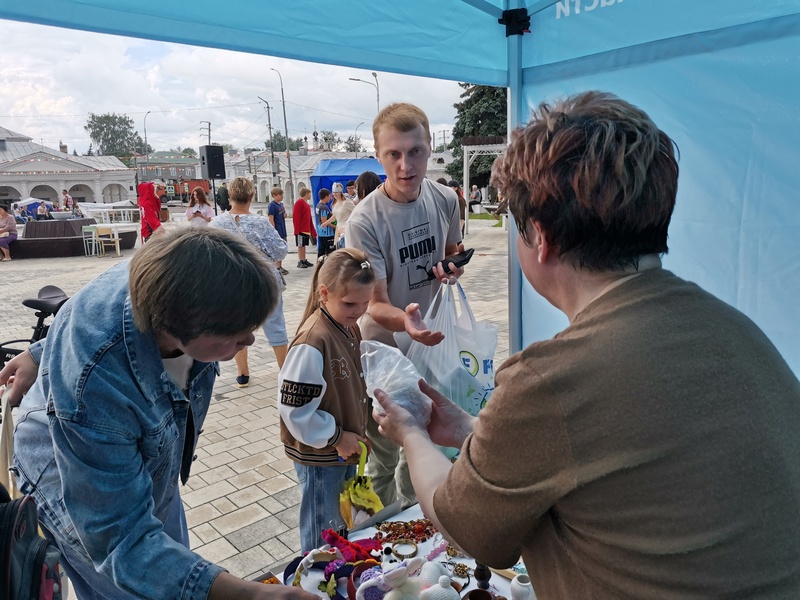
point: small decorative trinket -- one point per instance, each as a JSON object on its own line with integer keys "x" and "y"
{"x": 482, "y": 575}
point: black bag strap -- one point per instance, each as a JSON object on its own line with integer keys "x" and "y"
{"x": 5, "y": 497}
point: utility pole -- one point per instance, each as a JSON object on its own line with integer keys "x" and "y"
{"x": 213, "y": 182}
{"x": 146, "y": 153}
{"x": 271, "y": 148}
{"x": 207, "y": 130}
{"x": 355, "y": 136}
{"x": 290, "y": 195}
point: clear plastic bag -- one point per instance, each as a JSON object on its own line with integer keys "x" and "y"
{"x": 386, "y": 368}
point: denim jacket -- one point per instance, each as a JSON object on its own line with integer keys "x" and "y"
{"x": 100, "y": 443}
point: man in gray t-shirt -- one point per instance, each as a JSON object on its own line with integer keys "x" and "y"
{"x": 406, "y": 226}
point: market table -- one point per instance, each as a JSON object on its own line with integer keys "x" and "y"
{"x": 55, "y": 229}
{"x": 499, "y": 585}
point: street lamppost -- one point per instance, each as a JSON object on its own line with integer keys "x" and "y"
{"x": 375, "y": 85}
{"x": 355, "y": 137}
{"x": 286, "y": 129}
{"x": 146, "y": 153}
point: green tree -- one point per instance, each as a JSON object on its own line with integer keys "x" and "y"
{"x": 89, "y": 152}
{"x": 229, "y": 149}
{"x": 330, "y": 139}
{"x": 481, "y": 113}
{"x": 189, "y": 152}
{"x": 138, "y": 145}
{"x": 353, "y": 144}
{"x": 112, "y": 134}
{"x": 279, "y": 142}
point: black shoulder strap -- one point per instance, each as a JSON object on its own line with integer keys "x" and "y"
{"x": 4, "y": 495}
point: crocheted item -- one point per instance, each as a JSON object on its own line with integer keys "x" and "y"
{"x": 351, "y": 551}
{"x": 441, "y": 591}
{"x": 370, "y": 574}
{"x": 430, "y": 574}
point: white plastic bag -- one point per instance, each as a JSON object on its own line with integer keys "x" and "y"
{"x": 462, "y": 366}
{"x": 386, "y": 368}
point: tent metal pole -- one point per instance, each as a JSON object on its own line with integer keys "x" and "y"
{"x": 515, "y": 117}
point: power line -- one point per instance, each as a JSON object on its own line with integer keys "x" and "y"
{"x": 170, "y": 110}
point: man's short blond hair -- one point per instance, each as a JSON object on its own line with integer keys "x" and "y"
{"x": 403, "y": 117}
{"x": 275, "y": 192}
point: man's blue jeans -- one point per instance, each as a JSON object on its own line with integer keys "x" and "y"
{"x": 319, "y": 507}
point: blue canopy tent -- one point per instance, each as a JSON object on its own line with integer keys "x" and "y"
{"x": 720, "y": 77}
{"x": 330, "y": 171}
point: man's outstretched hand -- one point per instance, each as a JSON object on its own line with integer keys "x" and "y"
{"x": 416, "y": 328}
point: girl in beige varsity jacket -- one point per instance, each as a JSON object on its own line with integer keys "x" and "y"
{"x": 323, "y": 402}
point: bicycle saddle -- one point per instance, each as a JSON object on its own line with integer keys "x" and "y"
{"x": 49, "y": 300}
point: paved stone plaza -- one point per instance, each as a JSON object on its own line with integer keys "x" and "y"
{"x": 242, "y": 501}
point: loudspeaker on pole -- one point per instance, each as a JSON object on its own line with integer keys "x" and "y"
{"x": 212, "y": 162}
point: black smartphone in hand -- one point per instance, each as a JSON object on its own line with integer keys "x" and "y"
{"x": 459, "y": 260}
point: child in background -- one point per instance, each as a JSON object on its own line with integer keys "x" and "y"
{"x": 277, "y": 216}
{"x": 304, "y": 230}
{"x": 322, "y": 399}
{"x": 327, "y": 223}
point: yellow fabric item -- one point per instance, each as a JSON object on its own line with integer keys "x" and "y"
{"x": 358, "y": 496}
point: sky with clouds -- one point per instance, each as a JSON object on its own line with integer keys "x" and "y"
{"x": 52, "y": 78}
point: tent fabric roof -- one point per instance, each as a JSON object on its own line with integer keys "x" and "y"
{"x": 413, "y": 37}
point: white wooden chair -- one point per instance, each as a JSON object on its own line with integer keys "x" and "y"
{"x": 90, "y": 244}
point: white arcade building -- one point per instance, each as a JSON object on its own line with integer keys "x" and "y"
{"x": 30, "y": 170}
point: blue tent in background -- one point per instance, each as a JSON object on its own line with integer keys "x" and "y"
{"x": 330, "y": 171}
{"x": 721, "y": 78}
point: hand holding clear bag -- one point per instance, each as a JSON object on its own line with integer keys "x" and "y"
{"x": 386, "y": 368}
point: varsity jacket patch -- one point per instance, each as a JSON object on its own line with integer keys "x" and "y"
{"x": 340, "y": 368}
{"x": 294, "y": 393}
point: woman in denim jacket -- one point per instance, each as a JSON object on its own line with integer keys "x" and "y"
{"x": 110, "y": 425}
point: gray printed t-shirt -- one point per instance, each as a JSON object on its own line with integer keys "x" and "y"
{"x": 402, "y": 242}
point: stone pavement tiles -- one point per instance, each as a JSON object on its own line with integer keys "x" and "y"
{"x": 242, "y": 500}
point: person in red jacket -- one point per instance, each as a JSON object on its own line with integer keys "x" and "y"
{"x": 149, "y": 207}
{"x": 304, "y": 230}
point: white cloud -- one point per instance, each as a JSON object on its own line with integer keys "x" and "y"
{"x": 51, "y": 78}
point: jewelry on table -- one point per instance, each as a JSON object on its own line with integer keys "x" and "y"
{"x": 459, "y": 570}
{"x": 419, "y": 531}
{"x": 400, "y": 555}
{"x": 440, "y": 545}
